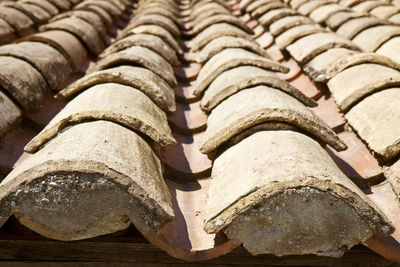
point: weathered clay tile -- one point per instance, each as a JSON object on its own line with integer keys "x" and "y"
{"x": 309, "y": 6}
{"x": 293, "y": 34}
{"x": 150, "y": 5}
{"x": 208, "y": 9}
{"x": 91, "y": 180}
{"x": 256, "y": 4}
{"x": 304, "y": 84}
{"x": 347, "y": 91}
{"x": 137, "y": 55}
{"x": 347, "y": 60}
{"x": 101, "y": 12}
{"x": 317, "y": 67}
{"x": 393, "y": 175}
{"x": 219, "y": 18}
{"x": 320, "y": 14}
{"x": 16, "y": 19}
{"x": 349, "y": 3}
{"x": 228, "y": 59}
{"x": 215, "y": 31}
{"x": 262, "y": 104}
{"x": 381, "y": 35}
{"x": 384, "y": 12}
{"x": 217, "y": 45}
{"x": 23, "y": 82}
{"x": 366, "y": 6}
{"x": 336, "y": 20}
{"x": 376, "y": 120}
{"x": 285, "y": 23}
{"x": 7, "y": 32}
{"x": 280, "y": 196}
{"x": 265, "y": 8}
{"x": 297, "y": 3}
{"x": 159, "y": 11}
{"x": 268, "y": 18}
{"x": 240, "y": 78}
{"x": 306, "y": 48}
{"x": 10, "y": 114}
{"x": 61, "y": 5}
{"x": 47, "y": 60}
{"x": 354, "y": 26}
{"x": 88, "y": 16}
{"x": 156, "y": 19}
{"x": 66, "y": 43}
{"x": 139, "y": 78}
{"x": 390, "y": 49}
{"x": 149, "y": 41}
{"x": 37, "y": 14}
{"x": 46, "y": 5}
{"x": 82, "y": 30}
{"x": 157, "y": 31}
{"x": 113, "y": 102}
{"x": 108, "y": 6}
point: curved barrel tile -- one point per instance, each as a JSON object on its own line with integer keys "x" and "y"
{"x": 114, "y": 102}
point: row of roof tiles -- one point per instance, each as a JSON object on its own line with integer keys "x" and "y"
{"x": 96, "y": 166}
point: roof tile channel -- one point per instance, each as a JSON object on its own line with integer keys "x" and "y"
{"x": 39, "y": 65}
{"x": 118, "y": 125}
{"x": 361, "y": 83}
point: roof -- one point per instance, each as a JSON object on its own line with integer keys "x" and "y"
{"x": 204, "y": 125}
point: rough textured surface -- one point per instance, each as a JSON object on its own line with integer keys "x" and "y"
{"x": 157, "y": 31}
{"x": 265, "y": 8}
{"x": 23, "y": 82}
{"x": 376, "y": 119}
{"x": 7, "y": 33}
{"x": 67, "y": 44}
{"x": 320, "y": 14}
{"x": 139, "y": 78}
{"x": 280, "y": 26}
{"x": 318, "y": 66}
{"x": 280, "y": 196}
{"x": 46, "y": 5}
{"x": 347, "y": 91}
{"x": 89, "y": 181}
{"x": 223, "y": 42}
{"x": 353, "y": 27}
{"x": 137, "y": 55}
{"x": 392, "y": 173}
{"x": 306, "y": 48}
{"x": 114, "y": 102}
{"x": 236, "y": 79}
{"x": 389, "y": 49}
{"x": 18, "y": 20}
{"x": 261, "y": 104}
{"x": 381, "y": 35}
{"x": 228, "y": 59}
{"x": 288, "y": 37}
{"x": 47, "y": 60}
{"x": 220, "y": 18}
{"x": 274, "y": 15}
{"x": 82, "y": 30}
{"x": 37, "y": 14}
{"x": 337, "y": 19}
{"x": 9, "y": 114}
{"x": 215, "y": 31}
{"x": 156, "y": 19}
{"x": 149, "y": 41}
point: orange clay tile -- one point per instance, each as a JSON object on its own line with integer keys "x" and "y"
{"x": 295, "y": 70}
{"x": 305, "y": 85}
{"x": 265, "y": 40}
{"x": 187, "y": 72}
{"x": 356, "y": 162}
{"x": 246, "y": 18}
{"x": 328, "y": 111}
{"x": 184, "y": 93}
{"x": 258, "y": 31}
{"x": 275, "y": 54}
{"x": 188, "y": 118}
{"x": 252, "y": 24}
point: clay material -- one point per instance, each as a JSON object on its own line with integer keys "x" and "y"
{"x": 376, "y": 120}
{"x": 220, "y": 18}
{"x": 149, "y": 41}
{"x": 140, "y": 78}
{"x": 283, "y": 201}
{"x": 262, "y": 104}
{"x": 91, "y": 180}
{"x": 47, "y": 60}
{"x": 23, "y": 82}
{"x": 221, "y": 43}
{"x": 114, "y": 102}
{"x": 137, "y": 55}
{"x": 228, "y": 59}
{"x": 236, "y": 79}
